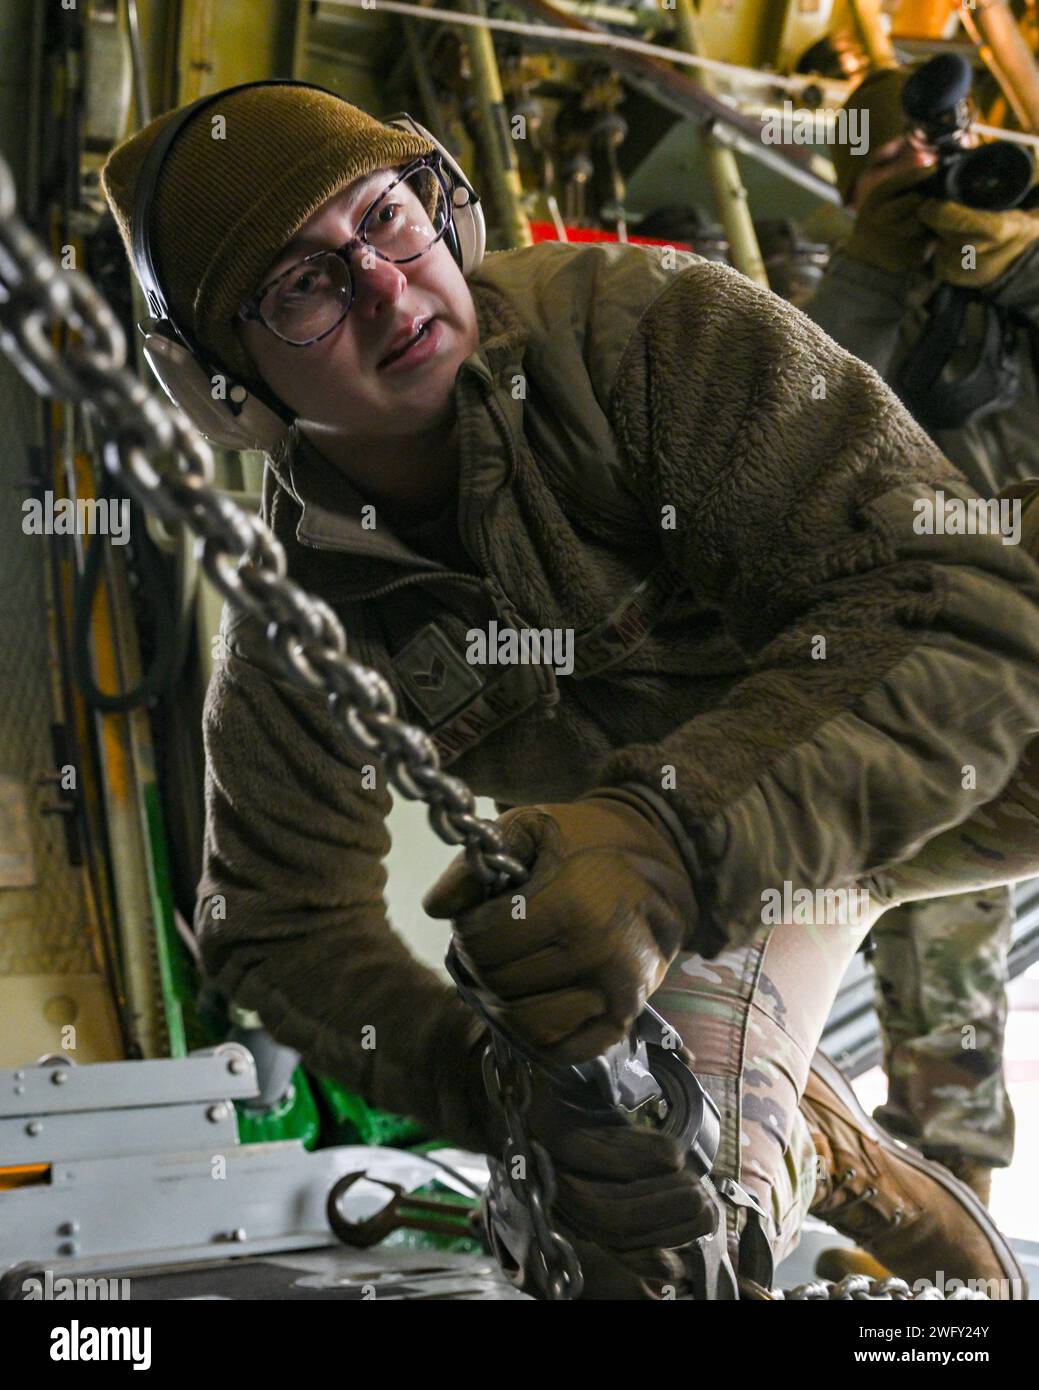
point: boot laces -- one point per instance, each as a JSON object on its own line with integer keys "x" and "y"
{"x": 842, "y": 1208}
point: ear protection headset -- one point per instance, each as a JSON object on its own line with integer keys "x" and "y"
{"x": 247, "y": 418}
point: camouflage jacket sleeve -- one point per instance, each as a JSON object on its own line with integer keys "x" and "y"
{"x": 291, "y": 915}
{"x": 999, "y": 843}
{"x": 894, "y": 677}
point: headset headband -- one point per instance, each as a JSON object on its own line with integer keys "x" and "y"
{"x": 140, "y": 234}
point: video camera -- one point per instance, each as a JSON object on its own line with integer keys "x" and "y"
{"x": 939, "y": 114}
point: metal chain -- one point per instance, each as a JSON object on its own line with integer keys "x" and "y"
{"x": 245, "y": 561}
{"x": 528, "y": 1170}
{"x": 858, "y": 1286}
{"x": 306, "y": 641}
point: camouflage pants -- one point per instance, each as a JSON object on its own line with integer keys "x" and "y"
{"x": 752, "y": 1019}
{"x": 941, "y": 973}
{"x": 941, "y": 997}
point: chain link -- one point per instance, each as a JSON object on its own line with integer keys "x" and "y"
{"x": 859, "y": 1286}
{"x": 152, "y": 448}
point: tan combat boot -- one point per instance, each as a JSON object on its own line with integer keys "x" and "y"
{"x": 834, "y": 1264}
{"x": 907, "y": 1212}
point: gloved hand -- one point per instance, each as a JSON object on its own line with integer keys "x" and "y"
{"x": 888, "y": 232}
{"x": 998, "y": 239}
{"x": 625, "y": 1199}
{"x": 608, "y": 905}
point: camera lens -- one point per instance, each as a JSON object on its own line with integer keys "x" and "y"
{"x": 993, "y": 177}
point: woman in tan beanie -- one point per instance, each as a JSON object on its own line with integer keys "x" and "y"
{"x": 254, "y": 182}
{"x": 771, "y": 682}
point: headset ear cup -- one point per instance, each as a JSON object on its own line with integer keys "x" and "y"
{"x": 469, "y": 222}
{"x": 184, "y": 381}
{"x": 471, "y": 232}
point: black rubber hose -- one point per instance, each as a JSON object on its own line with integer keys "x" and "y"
{"x": 154, "y": 583}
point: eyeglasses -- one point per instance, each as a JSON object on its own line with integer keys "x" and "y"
{"x": 305, "y": 303}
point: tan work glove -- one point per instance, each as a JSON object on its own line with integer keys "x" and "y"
{"x": 608, "y": 905}
{"x": 625, "y": 1199}
{"x": 888, "y": 232}
{"x": 996, "y": 239}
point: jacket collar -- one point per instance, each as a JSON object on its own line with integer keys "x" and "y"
{"x": 331, "y": 505}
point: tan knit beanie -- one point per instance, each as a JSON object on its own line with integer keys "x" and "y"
{"x": 242, "y": 177}
{"x": 880, "y": 94}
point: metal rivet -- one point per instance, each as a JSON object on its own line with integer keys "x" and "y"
{"x": 68, "y": 1228}
{"x": 236, "y": 1066}
{"x": 59, "y": 1077}
{"x": 33, "y": 1127}
{"x": 216, "y": 1113}
{"x": 68, "y": 1247}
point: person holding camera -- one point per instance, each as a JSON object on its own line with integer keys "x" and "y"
{"x": 941, "y": 963}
